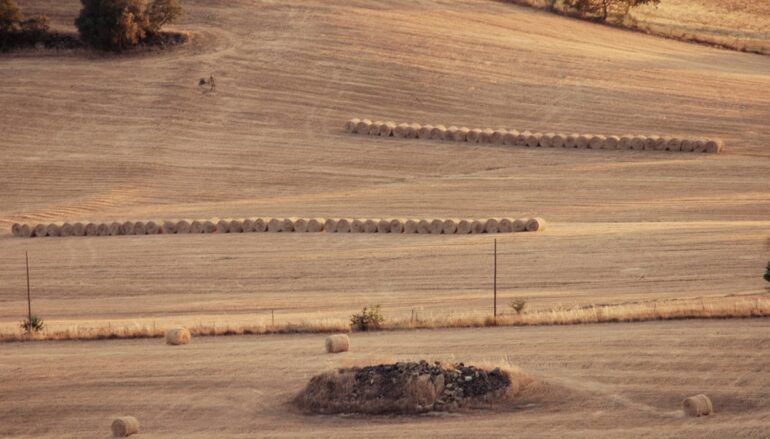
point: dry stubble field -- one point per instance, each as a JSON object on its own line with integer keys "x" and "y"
{"x": 91, "y": 137}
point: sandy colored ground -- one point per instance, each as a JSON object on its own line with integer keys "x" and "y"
{"x": 600, "y": 381}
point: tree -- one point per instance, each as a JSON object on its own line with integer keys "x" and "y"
{"x": 112, "y": 24}
{"x": 163, "y": 12}
{"x": 10, "y": 16}
{"x": 605, "y": 8}
{"x": 767, "y": 272}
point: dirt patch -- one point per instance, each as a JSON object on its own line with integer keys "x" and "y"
{"x": 406, "y": 388}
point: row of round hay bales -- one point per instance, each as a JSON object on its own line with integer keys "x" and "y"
{"x": 276, "y": 225}
{"x": 504, "y": 136}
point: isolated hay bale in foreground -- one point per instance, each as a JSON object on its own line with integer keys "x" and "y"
{"x": 351, "y": 125}
{"x": 535, "y": 225}
{"x": 438, "y": 132}
{"x": 597, "y": 141}
{"x": 337, "y": 343}
{"x": 520, "y": 225}
{"x": 177, "y": 336}
{"x": 343, "y": 226}
{"x": 396, "y": 226}
{"x": 474, "y": 135}
{"x": 370, "y": 226}
{"x": 79, "y": 229}
{"x": 260, "y": 225}
{"x": 505, "y": 226}
{"x": 183, "y": 227}
{"x": 698, "y": 405}
{"x": 498, "y": 136}
{"x": 557, "y": 140}
{"x": 477, "y": 226}
{"x": 102, "y": 229}
{"x": 386, "y": 129}
{"x": 330, "y": 225}
{"x": 315, "y": 225}
{"x": 714, "y": 146}
{"x": 570, "y": 141}
{"x": 66, "y": 230}
{"x": 383, "y": 226}
{"x": 357, "y": 226}
{"x": 410, "y": 226}
{"x": 449, "y": 227}
{"x": 53, "y": 230}
{"x": 463, "y": 227}
{"x": 425, "y": 132}
{"x": 300, "y": 225}
{"x": 124, "y": 426}
{"x": 362, "y": 127}
{"x": 423, "y": 227}
{"x": 401, "y": 130}
{"x": 491, "y": 226}
{"x": 611, "y": 142}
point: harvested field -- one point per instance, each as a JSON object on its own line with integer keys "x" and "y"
{"x": 598, "y": 381}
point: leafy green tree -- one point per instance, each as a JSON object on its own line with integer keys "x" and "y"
{"x": 606, "y": 8}
{"x": 10, "y": 16}
{"x": 163, "y": 12}
{"x": 112, "y": 24}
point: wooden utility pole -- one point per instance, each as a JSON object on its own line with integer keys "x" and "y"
{"x": 29, "y": 298}
{"x": 494, "y": 283}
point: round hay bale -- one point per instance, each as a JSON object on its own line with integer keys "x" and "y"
{"x": 209, "y": 227}
{"x": 546, "y": 140}
{"x": 124, "y": 426}
{"x": 652, "y": 143}
{"x": 247, "y": 225}
{"x": 90, "y": 229}
{"x": 612, "y": 142}
{"x": 698, "y": 405}
{"x": 177, "y": 336}
{"x": 260, "y": 225}
{"x": 498, "y": 136}
{"x": 383, "y": 226}
{"x": 343, "y": 226}
{"x": 152, "y": 228}
{"x": 116, "y": 229}
{"x": 410, "y": 226}
{"x": 674, "y": 144}
{"x": 521, "y": 139}
{"x": 26, "y": 230}
{"x": 362, "y": 127}
{"x": 315, "y": 225}
{"x": 370, "y": 226}
{"x": 491, "y": 226}
{"x": 53, "y": 230}
{"x": 127, "y": 228}
{"x": 451, "y": 133}
{"x": 533, "y": 140}
{"x": 386, "y": 129}
{"x": 625, "y": 141}
{"x": 350, "y": 126}
{"x": 168, "y": 228}
{"x": 535, "y": 225}
{"x": 337, "y": 343}
{"x": 223, "y": 226}
{"x": 688, "y": 145}
{"x": 39, "y": 230}
{"x": 582, "y": 141}
{"x": 300, "y": 225}
{"x": 436, "y": 227}
{"x": 597, "y": 141}
{"x": 438, "y": 132}
{"x": 357, "y": 226}
{"x": 519, "y": 225}
{"x": 505, "y": 226}
{"x": 235, "y": 226}
{"x": 449, "y": 227}
{"x": 16, "y": 229}
{"x": 102, "y": 229}
{"x": 571, "y": 141}
{"x": 461, "y": 134}
{"x": 275, "y": 225}
{"x": 423, "y": 227}
{"x": 699, "y": 145}
{"x": 183, "y": 227}
{"x": 638, "y": 142}
{"x": 474, "y": 135}
{"x": 79, "y": 229}
{"x": 714, "y": 146}
{"x": 557, "y": 140}
{"x": 66, "y": 229}
{"x": 400, "y": 130}
{"x": 463, "y": 227}
{"x": 330, "y": 225}
{"x": 374, "y": 128}
{"x": 486, "y": 135}
{"x": 425, "y": 132}
{"x": 287, "y": 225}
{"x": 511, "y": 138}
{"x": 396, "y": 226}
{"x": 139, "y": 228}
{"x": 477, "y": 226}
{"x": 196, "y": 227}
{"x": 412, "y": 130}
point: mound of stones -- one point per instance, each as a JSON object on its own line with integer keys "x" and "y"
{"x": 405, "y": 388}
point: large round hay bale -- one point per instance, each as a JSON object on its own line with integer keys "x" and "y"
{"x": 209, "y": 227}
{"x": 699, "y": 145}
{"x": 300, "y": 225}
{"x": 90, "y": 229}
{"x": 315, "y": 225}
{"x": 474, "y": 135}
{"x": 127, "y": 228}
{"x": 374, "y": 128}
{"x": 383, "y": 226}
{"x": 477, "y": 226}
{"x": 152, "y": 228}
{"x": 168, "y": 228}
{"x": 370, "y": 226}
{"x": 597, "y": 141}
{"x": 612, "y": 142}
{"x": 351, "y": 125}
{"x": 638, "y": 142}
{"x": 545, "y": 140}
{"x": 533, "y": 140}
{"x": 438, "y": 132}
{"x": 177, "y": 336}
{"x": 505, "y": 226}
{"x": 698, "y": 405}
{"x": 396, "y": 226}
{"x": 571, "y": 140}
{"x": 714, "y": 146}
{"x": 275, "y": 225}
{"x": 287, "y": 225}
{"x": 486, "y": 135}
{"x": 460, "y": 135}
{"x": 425, "y": 132}
{"x": 653, "y": 143}
{"x": 247, "y": 225}
{"x": 401, "y": 130}
{"x": 357, "y": 226}
{"x": 463, "y": 227}
{"x": 337, "y": 343}
{"x": 436, "y": 227}
{"x": 26, "y": 230}
{"x": 625, "y": 141}
{"x": 491, "y": 226}
{"x": 235, "y": 226}
{"x": 223, "y": 226}
{"x": 330, "y": 225}
{"x": 66, "y": 230}
{"x": 582, "y": 141}
{"x": 16, "y": 229}
{"x": 386, "y": 129}
{"x": 412, "y": 130}
{"x": 450, "y": 133}
{"x": 260, "y": 225}
{"x": 521, "y": 139}
{"x": 116, "y": 229}
{"x": 535, "y": 225}
{"x": 103, "y": 229}
{"x": 40, "y": 231}
{"x": 449, "y": 227}
{"x": 673, "y": 144}
{"x": 53, "y": 230}
{"x": 139, "y": 228}
{"x": 498, "y": 136}
{"x": 511, "y": 138}
{"x": 520, "y": 225}
{"x": 124, "y": 426}
{"x": 688, "y": 145}
{"x": 557, "y": 140}
{"x": 196, "y": 226}
{"x": 362, "y": 127}
{"x": 183, "y": 227}
{"x": 423, "y": 227}
{"x": 410, "y": 226}
{"x": 343, "y": 226}
{"x": 78, "y": 229}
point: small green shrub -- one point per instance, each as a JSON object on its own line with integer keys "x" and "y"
{"x": 368, "y": 318}
{"x": 35, "y": 324}
{"x": 518, "y": 304}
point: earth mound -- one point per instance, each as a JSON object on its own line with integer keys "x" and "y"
{"x": 406, "y": 388}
